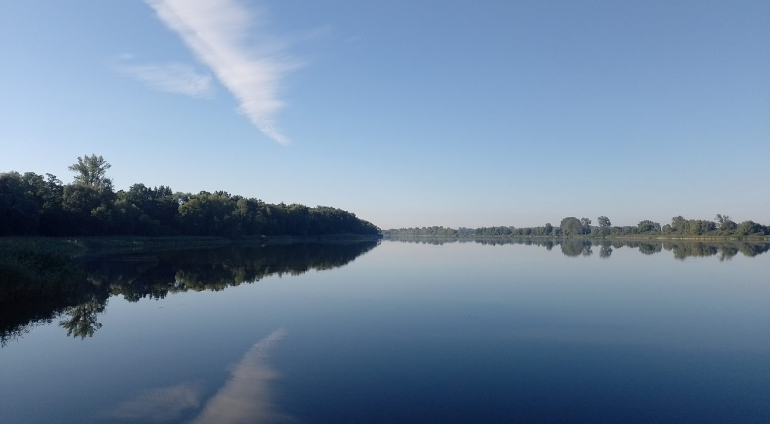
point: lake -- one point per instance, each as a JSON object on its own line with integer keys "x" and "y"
{"x": 409, "y": 331}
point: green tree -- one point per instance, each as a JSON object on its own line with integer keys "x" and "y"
{"x": 604, "y": 222}
{"x": 79, "y": 203}
{"x": 586, "y": 224}
{"x": 91, "y": 171}
{"x": 19, "y": 205}
{"x": 679, "y": 224}
{"x": 571, "y": 226}
{"x": 749, "y": 227}
{"x": 698, "y": 227}
{"x": 647, "y": 226}
{"x": 52, "y": 218}
{"x": 725, "y": 223}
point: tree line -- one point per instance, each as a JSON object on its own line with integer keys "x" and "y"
{"x": 721, "y": 226}
{"x": 33, "y": 204}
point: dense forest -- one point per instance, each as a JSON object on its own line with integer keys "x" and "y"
{"x": 722, "y": 226}
{"x": 32, "y": 204}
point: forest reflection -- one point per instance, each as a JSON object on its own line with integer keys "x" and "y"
{"x": 155, "y": 275}
{"x": 682, "y": 249}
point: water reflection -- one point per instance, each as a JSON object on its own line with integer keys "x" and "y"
{"x": 576, "y": 247}
{"x": 157, "y": 405}
{"x": 155, "y": 275}
{"x": 81, "y": 320}
{"x": 246, "y": 397}
{"x": 682, "y": 249}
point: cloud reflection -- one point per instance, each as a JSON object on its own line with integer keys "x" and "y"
{"x": 246, "y": 397}
{"x": 158, "y": 405}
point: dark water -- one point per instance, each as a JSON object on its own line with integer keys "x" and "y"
{"x": 396, "y": 332}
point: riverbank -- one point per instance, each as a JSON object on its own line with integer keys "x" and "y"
{"x": 74, "y": 245}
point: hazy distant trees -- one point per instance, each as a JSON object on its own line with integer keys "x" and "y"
{"x": 750, "y": 227}
{"x": 31, "y": 204}
{"x": 648, "y": 226}
{"x": 604, "y": 229}
{"x": 678, "y": 225}
{"x": 440, "y": 231}
{"x": 692, "y": 227}
{"x": 574, "y": 227}
{"x": 571, "y": 226}
{"x": 725, "y": 223}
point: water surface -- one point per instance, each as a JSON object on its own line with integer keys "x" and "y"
{"x": 429, "y": 332}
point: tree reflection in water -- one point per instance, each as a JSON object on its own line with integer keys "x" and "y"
{"x": 81, "y": 319}
{"x": 155, "y": 275}
{"x": 575, "y": 247}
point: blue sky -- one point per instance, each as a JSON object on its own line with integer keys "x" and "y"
{"x": 406, "y": 113}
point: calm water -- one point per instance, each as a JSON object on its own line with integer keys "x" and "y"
{"x": 398, "y": 332}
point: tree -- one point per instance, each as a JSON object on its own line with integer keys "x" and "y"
{"x": 19, "y": 205}
{"x": 79, "y": 201}
{"x": 725, "y": 223}
{"x": 698, "y": 227}
{"x": 679, "y": 224}
{"x": 52, "y": 219}
{"x": 647, "y": 226}
{"x": 586, "y": 224}
{"x": 571, "y": 226}
{"x": 91, "y": 171}
{"x": 749, "y": 227}
{"x": 604, "y": 222}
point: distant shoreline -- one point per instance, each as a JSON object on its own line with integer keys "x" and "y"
{"x": 585, "y": 237}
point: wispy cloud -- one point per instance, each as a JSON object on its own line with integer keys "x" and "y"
{"x": 172, "y": 77}
{"x": 230, "y": 39}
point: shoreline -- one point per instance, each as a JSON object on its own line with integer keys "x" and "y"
{"x": 610, "y": 238}
{"x": 105, "y": 244}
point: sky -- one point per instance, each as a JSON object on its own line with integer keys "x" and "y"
{"x": 452, "y": 113}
